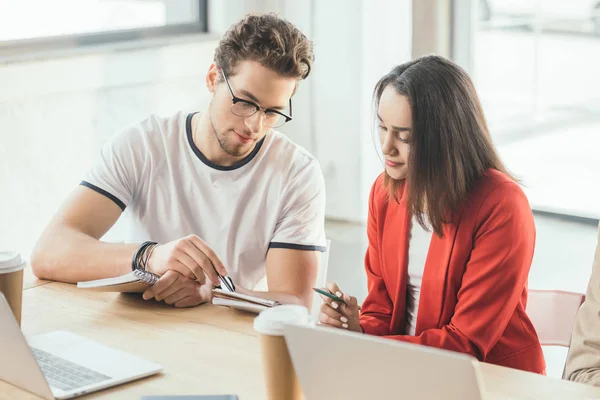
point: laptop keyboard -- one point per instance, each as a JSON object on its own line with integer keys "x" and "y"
{"x": 64, "y": 374}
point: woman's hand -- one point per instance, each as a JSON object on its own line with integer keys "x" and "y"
{"x": 340, "y": 315}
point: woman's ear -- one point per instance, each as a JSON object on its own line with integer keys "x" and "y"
{"x": 212, "y": 77}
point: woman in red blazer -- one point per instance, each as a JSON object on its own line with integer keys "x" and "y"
{"x": 443, "y": 172}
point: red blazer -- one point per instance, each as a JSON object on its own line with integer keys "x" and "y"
{"x": 474, "y": 286}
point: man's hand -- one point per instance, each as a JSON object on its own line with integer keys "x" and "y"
{"x": 190, "y": 256}
{"x": 179, "y": 291}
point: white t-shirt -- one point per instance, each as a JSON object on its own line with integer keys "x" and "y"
{"x": 418, "y": 247}
{"x": 274, "y": 198}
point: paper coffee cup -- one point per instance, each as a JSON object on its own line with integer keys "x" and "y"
{"x": 11, "y": 280}
{"x": 280, "y": 377}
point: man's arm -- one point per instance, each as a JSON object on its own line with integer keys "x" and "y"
{"x": 291, "y": 275}
{"x": 583, "y": 361}
{"x": 69, "y": 249}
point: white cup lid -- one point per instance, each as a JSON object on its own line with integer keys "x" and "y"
{"x": 10, "y": 261}
{"x": 272, "y": 320}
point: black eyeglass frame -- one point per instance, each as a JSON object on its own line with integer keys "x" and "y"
{"x": 257, "y": 108}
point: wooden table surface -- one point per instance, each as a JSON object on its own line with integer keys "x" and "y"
{"x": 205, "y": 349}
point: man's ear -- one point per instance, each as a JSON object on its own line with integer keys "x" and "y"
{"x": 212, "y": 77}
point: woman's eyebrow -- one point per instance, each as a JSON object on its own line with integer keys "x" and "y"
{"x": 396, "y": 128}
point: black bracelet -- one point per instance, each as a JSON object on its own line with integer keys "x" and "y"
{"x": 147, "y": 254}
{"x": 136, "y": 261}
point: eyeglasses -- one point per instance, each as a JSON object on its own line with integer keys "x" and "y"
{"x": 246, "y": 108}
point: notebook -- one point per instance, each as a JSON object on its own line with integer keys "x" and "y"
{"x": 134, "y": 282}
{"x": 241, "y": 301}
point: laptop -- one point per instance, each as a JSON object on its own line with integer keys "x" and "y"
{"x": 60, "y": 364}
{"x": 336, "y": 364}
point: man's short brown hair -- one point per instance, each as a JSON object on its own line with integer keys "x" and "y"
{"x": 272, "y": 41}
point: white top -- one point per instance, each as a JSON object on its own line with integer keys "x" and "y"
{"x": 418, "y": 247}
{"x": 275, "y": 197}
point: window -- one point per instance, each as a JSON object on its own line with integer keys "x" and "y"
{"x": 535, "y": 65}
{"x": 29, "y": 24}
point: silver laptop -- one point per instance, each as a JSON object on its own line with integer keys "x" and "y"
{"x": 336, "y": 364}
{"x": 61, "y": 364}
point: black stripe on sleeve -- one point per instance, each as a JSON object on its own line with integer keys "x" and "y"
{"x": 279, "y": 245}
{"x": 104, "y": 193}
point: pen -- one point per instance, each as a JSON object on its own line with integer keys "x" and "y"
{"x": 227, "y": 282}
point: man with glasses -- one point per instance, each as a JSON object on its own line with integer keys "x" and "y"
{"x": 217, "y": 197}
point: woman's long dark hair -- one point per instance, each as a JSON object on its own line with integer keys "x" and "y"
{"x": 450, "y": 145}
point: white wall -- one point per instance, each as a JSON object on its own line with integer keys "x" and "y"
{"x": 337, "y": 103}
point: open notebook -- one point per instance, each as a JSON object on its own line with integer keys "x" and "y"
{"x": 138, "y": 281}
{"x": 134, "y": 282}
{"x": 241, "y": 301}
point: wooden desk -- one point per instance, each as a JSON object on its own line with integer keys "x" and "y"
{"x": 204, "y": 350}
{"x": 207, "y": 349}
